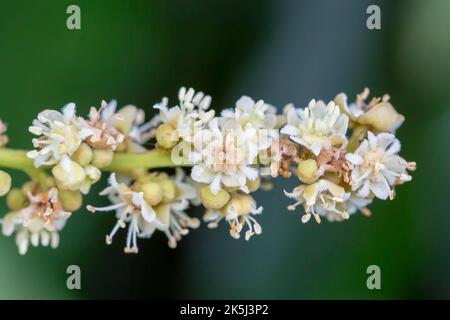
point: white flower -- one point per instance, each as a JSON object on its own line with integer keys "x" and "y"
{"x": 377, "y": 167}
{"x": 378, "y": 113}
{"x": 142, "y": 219}
{"x": 171, "y": 218}
{"x": 60, "y": 134}
{"x": 321, "y": 198}
{"x": 238, "y": 213}
{"x": 101, "y": 122}
{"x": 40, "y": 222}
{"x": 247, "y": 112}
{"x": 189, "y": 116}
{"x": 224, "y": 155}
{"x": 317, "y": 126}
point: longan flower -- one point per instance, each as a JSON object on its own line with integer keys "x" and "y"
{"x": 322, "y": 198}
{"x": 248, "y": 112}
{"x": 60, "y": 134}
{"x": 238, "y": 213}
{"x": 224, "y": 155}
{"x": 377, "y": 167}
{"x": 155, "y": 203}
{"x": 378, "y": 113}
{"x": 317, "y": 126}
{"x": 180, "y": 123}
{"x": 39, "y": 222}
{"x": 105, "y": 135}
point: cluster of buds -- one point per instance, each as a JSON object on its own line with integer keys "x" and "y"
{"x": 344, "y": 155}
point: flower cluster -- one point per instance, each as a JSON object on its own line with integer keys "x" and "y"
{"x": 344, "y": 155}
{"x": 341, "y": 175}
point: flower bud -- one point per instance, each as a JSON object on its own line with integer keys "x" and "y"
{"x": 69, "y": 175}
{"x": 124, "y": 121}
{"x": 16, "y": 199}
{"x": 5, "y": 183}
{"x": 167, "y": 136}
{"x": 93, "y": 174}
{"x": 241, "y": 204}
{"x": 253, "y": 185}
{"x": 102, "y": 158}
{"x": 83, "y": 155}
{"x": 382, "y": 118}
{"x": 307, "y": 171}
{"x": 169, "y": 189}
{"x": 213, "y": 201}
{"x": 153, "y": 193}
{"x": 71, "y": 200}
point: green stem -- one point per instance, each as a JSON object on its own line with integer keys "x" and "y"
{"x": 153, "y": 159}
{"x": 157, "y": 158}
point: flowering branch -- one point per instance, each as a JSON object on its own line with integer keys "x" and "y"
{"x": 343, "y": 155}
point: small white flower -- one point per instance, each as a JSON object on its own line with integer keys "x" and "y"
{"x": 224, "y": 155}
{"x": 60, "y": 134}
{"x": 321, "y": 198}
{"x": 101, "y": 122}
{"x": 238, "y": 213}
{"x": 189, "y": 116}
{"x": 171, "y": 218}
{"x": 377, "y": 167}
{"x": 248, "y": 112}
{"x": 143, "y": 219}
{"x": 317, "y": 126}
{"x": 39, "y": 223}
{"x": 378, "y": 113}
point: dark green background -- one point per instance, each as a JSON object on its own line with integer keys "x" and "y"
{"x": 281, "y": 51}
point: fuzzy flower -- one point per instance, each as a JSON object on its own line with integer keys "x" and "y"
{"x": 317, "y": 126}
{"x": 60, "y": 134}
{"x": 378, "y": 113}
{"x": 224, "y": 155}
{"x": 377, "y": 167}
{"x": 238, "y": 213}
{"x": 3, "y": 137}
{"x": 134, "y": 208}
{"x": 322, "y": 198}
{"x": 40, "y": 222}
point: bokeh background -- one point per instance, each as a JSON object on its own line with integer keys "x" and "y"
{"x": 281, "y": 51}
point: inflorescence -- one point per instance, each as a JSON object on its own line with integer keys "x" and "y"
{"x": 344, "y": 155}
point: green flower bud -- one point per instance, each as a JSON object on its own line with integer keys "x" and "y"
{"x": 153, "y": 193}
{"x": 102, "y": 158}
{"x": 241, "y": 204}
{"x": 5, "y": 183}
{"x": 169, "y": 189}
{"x": 253, "y": 185}
{"x": 167, "y": 136}
{"x": 16, "y": 199}
{"x": 69, "y": 175}
{"x": 307, "y": 171}
{"x": 213, "y": 201}
{"x": 28, "y": 187}
{"x": 71, "y": 200}
{"x": 83, "y": 155}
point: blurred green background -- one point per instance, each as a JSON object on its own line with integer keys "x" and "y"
{"x": 281, "y": 51}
